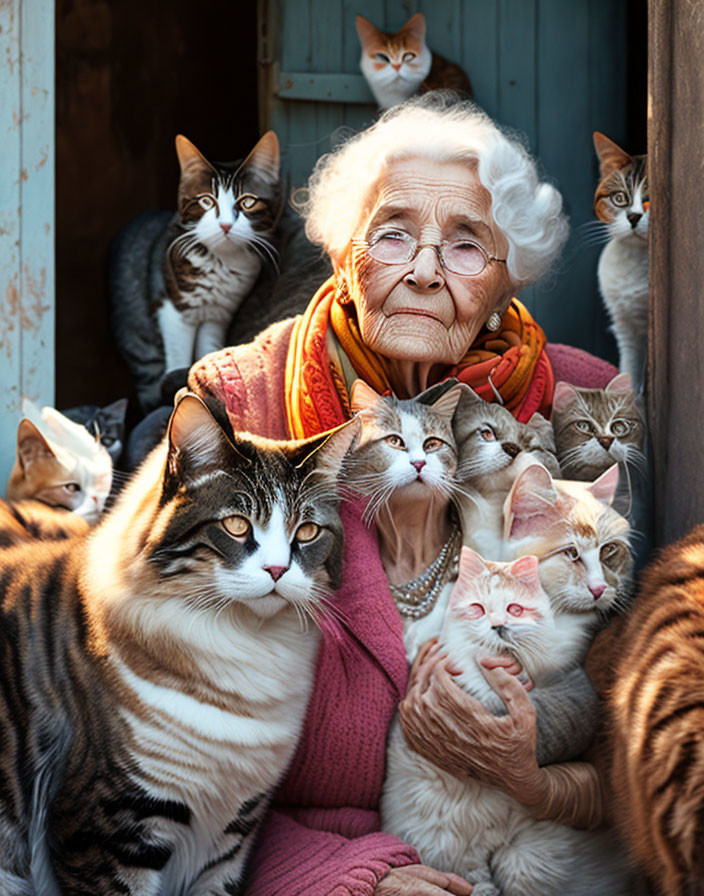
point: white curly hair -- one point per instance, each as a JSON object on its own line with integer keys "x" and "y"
{"x": 528, "y": 211}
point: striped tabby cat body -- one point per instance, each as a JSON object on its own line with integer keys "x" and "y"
{"x": 226, "y": 217}
{"x": 399, "y": 65}
{"x": 622, "y": 203}
{"x": 22, "y": 521}
{"x": 160, "y": 669}
{"x": 651, "y": 666}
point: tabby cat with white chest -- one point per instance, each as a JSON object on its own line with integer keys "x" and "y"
{"x": 399, "y": 65}
{"x": 159, "y": 689}
{"x": 464, "y": 826}
{"x": 226, "y": 216}
{"x": 622, "y": 203}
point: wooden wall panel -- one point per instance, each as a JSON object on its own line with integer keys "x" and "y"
{"x": 676, "y": 358}
{"x": 26, "y": 214}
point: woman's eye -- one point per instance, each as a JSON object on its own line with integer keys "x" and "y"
{"x": 239, "y": 526}
{"x": 584, "y": 426}
{"x": 571, "y": 553}
{"x": 620, "y": 427}
{"x": 488, "y": 434}
{"x": 72, "y": 488}
{"x": 432, "y": 444}
{"x": 307, "y": 532}
{"x": 619, "y": 198}
{"x": 395, "y": 441}
{"x": 515, "y": 609}
{"x": 408, "y": 57}
{"x": 206, "y": 202}
{"x": 381, "y": 57}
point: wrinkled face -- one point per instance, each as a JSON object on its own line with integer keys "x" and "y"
{"x": 420, "y": 311}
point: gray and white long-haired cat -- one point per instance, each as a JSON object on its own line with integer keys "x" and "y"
{"x": 462, "y": 825}
{"x": 596, "y": 428}
{"x": 157, "y": 671}
{"x": 622, "y": 203}
{"x": 176, "y": 281}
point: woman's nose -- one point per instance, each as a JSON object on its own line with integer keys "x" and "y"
{"x": 426, "y": 274}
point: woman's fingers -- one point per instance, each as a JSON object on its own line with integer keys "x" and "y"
{"x": 512, "y": 666}
{"x": 419, "y": 880}
{"x": 514, "y": 696}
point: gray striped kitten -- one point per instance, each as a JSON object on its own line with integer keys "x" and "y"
{"x": 622, "y": 203}
{"x": 154, "y": 694}
{"x": 596, "y": 428}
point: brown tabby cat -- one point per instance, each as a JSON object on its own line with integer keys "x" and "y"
{"x": 652, "y": 665}
{"x": 399, "y": 65}
{"x": 140, "y": 741}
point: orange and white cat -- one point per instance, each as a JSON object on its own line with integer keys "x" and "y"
{"x": 400, "y": 64}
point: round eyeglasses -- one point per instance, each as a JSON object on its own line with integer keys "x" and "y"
{"x": 461, "y": 256}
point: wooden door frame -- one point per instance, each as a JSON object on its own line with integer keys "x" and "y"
{"x": 676, "y": 353}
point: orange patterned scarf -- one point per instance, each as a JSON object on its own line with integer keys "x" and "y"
{"x": 509, "y": 365}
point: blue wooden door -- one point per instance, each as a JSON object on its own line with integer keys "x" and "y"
{"x": 551, "y": 69}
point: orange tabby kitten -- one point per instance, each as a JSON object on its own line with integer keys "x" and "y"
{"x": 399, "y": 65}
{"x": 651, "y": 665}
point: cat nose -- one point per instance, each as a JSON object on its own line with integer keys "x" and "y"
{"x": 418, "y": 464}
{"x": 511, "y": 448}
{"x": 395, "y": 66}
{"x": 499, "y": 629}
{"x": 597, "y": 590}
{"x": 605, "y": 441}
{"x": 634, "y": 218}
{"x": 275, "y": 571}
{"x": 226, "y": 227}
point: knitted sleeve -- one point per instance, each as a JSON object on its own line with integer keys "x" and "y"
{"x": 292, "y": 859}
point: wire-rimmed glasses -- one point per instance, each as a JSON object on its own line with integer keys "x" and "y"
{"x": 461, "y": 256}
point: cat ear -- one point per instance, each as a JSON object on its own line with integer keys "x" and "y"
{"x": 541, "y": 425}
{"x": 525, "y": 569}
{"x": 464, "y": 421}
{"x": 415, "y": 26}
{"x": 604, "y": 488}
{"x": 189, "y": 157}
{"x": 620, "y": 383}
{"x": 611, "y": 156}
{"x": 327, "y": 451}
{"x": 563, "y": 396}
{"x": 530, "y": 507}
{"x": 362, "y": 396}
{"x": 367, "y": 33}
{"x": 264, "y": 158}
{"x": 471, "y": 566}
{"x": 447, "y": 403}
{"x": 196, "y": 439}
{"x": 31, "y": 444}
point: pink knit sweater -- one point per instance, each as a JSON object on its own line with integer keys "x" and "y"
{"x": 322, "y": 837}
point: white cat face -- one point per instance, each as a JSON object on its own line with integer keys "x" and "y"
{"x": 631, "y": 215}
{"x": 221, "y": 228}
{"x": 501, "y": 608}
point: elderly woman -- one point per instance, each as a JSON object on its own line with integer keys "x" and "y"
{"x": 433, "y": 220}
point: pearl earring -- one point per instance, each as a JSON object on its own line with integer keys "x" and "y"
{"x": 494, "y": 321}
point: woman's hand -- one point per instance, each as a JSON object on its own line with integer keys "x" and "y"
{"x": 454, "y": 731}
{"x": 419, "y": 880}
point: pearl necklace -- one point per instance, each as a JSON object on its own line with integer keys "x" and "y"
{"x": 418, "y": 597}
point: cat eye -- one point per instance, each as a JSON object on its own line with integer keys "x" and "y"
{"x": 239, "y": 526}
{"x": 395, "y": 441}
{"x": 488, "y": 434}
{"x": 584, "y": 426}
{"x": 619, "y": 198}
{"x": 72, "y": 488}
{"x": 307, "y": 532}
{"x": 432, "y": 444}
{"x": 515, "y": 609}
{"x": 609, "y": 552}
{"x": 571, "y": 553}
{"x": 205, "y": 201}
{"x": 381, "y": 57}
{"x": 247, "y": 201}
{"x": 474, "y": 611}
{"x": 620, "y": 427}
{"x": 408, "y": 57}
